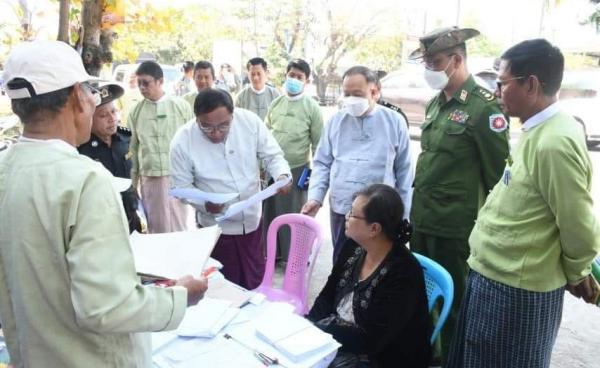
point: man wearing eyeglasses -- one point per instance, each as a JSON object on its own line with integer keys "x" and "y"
{"x": 69, "y": 293}
{"x": 537, "y": 233}
{"x": 464, "y": 144}
{"x": 153, "y": 122}
{"x": 220, "y": 152}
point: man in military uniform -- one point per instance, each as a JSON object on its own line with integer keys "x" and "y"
{"x": 464, "y": 143}
{"x": 109, "y": 144}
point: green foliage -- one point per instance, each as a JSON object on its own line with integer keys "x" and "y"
{"x": 380, "y": 53}
{"x": 483, "y": 46}
{"x": 580, "y": 61}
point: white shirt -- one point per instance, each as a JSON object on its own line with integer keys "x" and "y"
{"x": 541, "y": 116}
{"x": 231, "y": 166}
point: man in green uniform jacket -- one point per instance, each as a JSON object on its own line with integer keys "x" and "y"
{"x": 464, "y": 143}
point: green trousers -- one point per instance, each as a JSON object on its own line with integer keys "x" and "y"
{"x": 451, "y": 254}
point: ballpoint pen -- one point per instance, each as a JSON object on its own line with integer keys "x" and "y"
{"x": 264, "y": 358}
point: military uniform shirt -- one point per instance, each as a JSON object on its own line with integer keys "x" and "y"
{"x": 464, "y": 143}
{"x": 115, "y": 159}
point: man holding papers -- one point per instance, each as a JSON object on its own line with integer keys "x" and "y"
{"x": 220, "y": 152}
{"x": 69, "y": 294}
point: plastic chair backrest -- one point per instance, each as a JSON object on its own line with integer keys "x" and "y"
{"x": 438, "y": 283}
{"x": 305, "y": 242}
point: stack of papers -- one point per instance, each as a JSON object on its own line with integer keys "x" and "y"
{"x": 206, "y": 318}
{"x": 223, "y": 289}
{"x": 291, "y": 334}
{"x": 173, "y": 255}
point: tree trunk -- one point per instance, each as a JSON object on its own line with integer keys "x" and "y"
{"x": 63, "y": 21}
{"x": 91, "y": 52}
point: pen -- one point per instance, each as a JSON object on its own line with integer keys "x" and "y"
{"x": 264, "y": 358}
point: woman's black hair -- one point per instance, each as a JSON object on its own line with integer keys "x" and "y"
{"x": 384, "y": 206}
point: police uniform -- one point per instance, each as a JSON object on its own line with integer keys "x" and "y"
{"x": 115, "y": 158}
{"x": 464, "y": 143}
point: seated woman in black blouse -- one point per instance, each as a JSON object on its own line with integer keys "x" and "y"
{"x": 374, "y": 302}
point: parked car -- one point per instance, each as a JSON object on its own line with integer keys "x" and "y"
{"x": 409, "y": 90}
{"x": 580, "y": 96}
{"x": 172, "y": 75}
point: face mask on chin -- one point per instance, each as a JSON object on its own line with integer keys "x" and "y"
{"x": 356, "y": 106}
{"x": 438, "y": 79}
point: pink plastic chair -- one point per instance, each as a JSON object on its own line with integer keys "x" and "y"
{"x": 305, "y": 242}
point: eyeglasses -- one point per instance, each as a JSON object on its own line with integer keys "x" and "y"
{"x": 350, "y": 215}
{"x": 96, "y": 93}
{"x": 501, "y": 83}
{"x": 221, "y": 128}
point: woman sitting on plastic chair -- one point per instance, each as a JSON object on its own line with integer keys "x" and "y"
{"x": 374, "y": 302}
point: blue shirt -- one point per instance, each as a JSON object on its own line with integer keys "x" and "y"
{"x": 356, "y": 152}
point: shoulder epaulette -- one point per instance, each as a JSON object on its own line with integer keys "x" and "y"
{"x": 123, "y": 130}
{"x": 394, "y": 108}
{"x": 484, "y": 93}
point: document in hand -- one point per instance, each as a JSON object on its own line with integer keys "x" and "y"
{"x": 197, "y": 196}
{"x": 238, "y": 207}
{"x": 173, "y": 255}
{"x": 293, "y": 335}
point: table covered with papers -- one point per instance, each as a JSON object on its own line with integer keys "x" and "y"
{"x": 214, "y": 334}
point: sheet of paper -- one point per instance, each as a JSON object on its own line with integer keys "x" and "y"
{"x": 207, "y": 318}
{"x": 120, "y": 184}
{"x": 246, "y": 333}
{"x": 291, "y": 334}
{"x": 195, "y": 195}
{"x": 238, "y": 207}
{"x": 173, "y": 255}
{"x": 226, "y": 290}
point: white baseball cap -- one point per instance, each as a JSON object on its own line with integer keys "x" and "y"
{"x": 46, "y": 66}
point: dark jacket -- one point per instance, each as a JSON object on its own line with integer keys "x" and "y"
{"x": 115, "y": 159}
{"x": 390, "y": 308}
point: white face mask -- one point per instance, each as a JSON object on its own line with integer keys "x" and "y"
{"x": 356, "y": 106}
{"x": 438, "y": 79}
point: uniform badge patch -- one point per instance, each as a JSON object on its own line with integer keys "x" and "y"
{"x": 498, "y": 123}
{"x": 458, "y": 116}
{"x": 463, "y": 95}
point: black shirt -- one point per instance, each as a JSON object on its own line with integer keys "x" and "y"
{"x": 115, "y": 159}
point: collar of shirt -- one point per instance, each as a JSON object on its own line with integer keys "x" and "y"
{"x": 296, "y": 97}
{"x": 540, "y": 117}
{"x": 257, "y": 91}
{"x": 161, "y": 99}
{"x": 58, "y": 143}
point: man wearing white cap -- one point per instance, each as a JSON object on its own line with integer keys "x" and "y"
{"x": 69, "y": 294}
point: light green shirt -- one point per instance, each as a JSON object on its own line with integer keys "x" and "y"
{"x": 297, "y": 126}
{"x": 190, "y": 97}
{"x": 537, "y": 230}
{"x": 153, "y": 125}
{"x": 258, "y": 103}
{"x": 69, "y": 293}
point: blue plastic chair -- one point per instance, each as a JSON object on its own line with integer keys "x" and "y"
{"x": 438, "y": 283}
